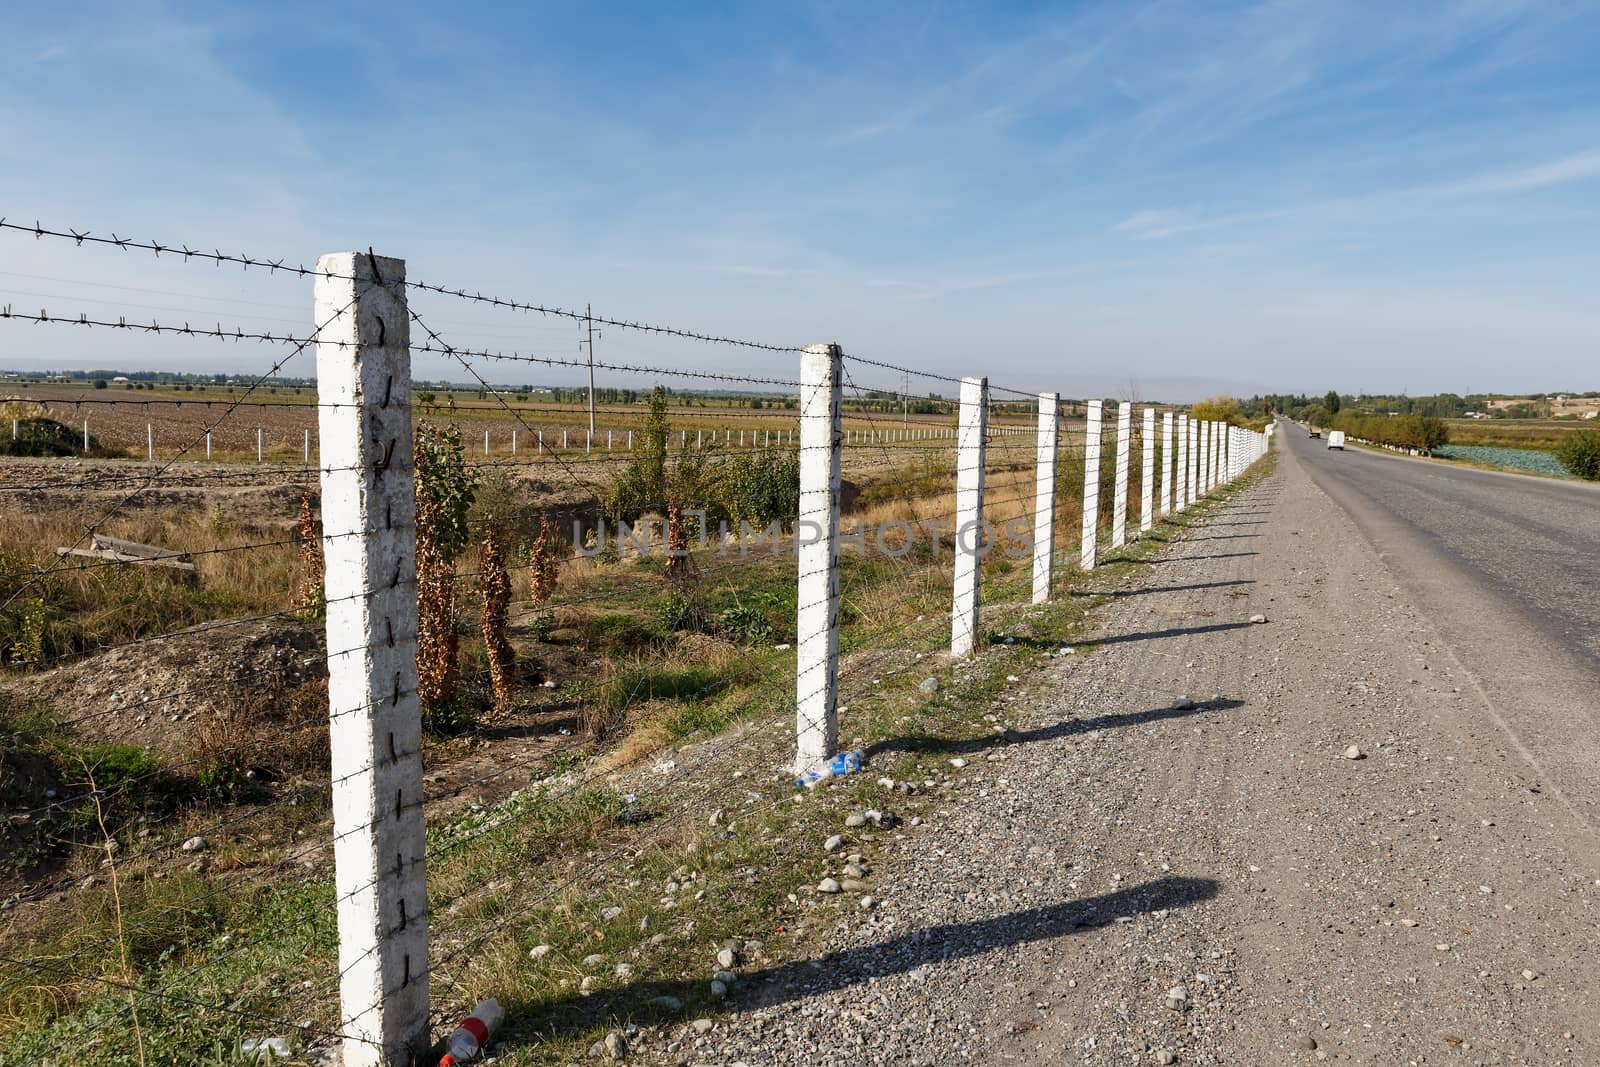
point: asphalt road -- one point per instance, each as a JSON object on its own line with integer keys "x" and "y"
{"x": 1507, "y": 568}
{"x": 1530, "y": 542}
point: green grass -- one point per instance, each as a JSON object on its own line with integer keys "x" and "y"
{"x": 542, "y": 866}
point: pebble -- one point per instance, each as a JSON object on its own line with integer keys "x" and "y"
{"x": 1258, "y": 618}
{"x": 833, "y": 844}
{"x": 611, "y": 913}
{"x": 539, "y": 952}
{"x": 624, "y": 971}
{"x": 868, "y": 903}
{"x": 829, "y": 885}
{"x": 1183, "y": 704}
{"x": 616, "y": 1046}
{"x": 669, "y": 1003}
{"x": 593, "y": 960}
{"x": 702, "y": 1026}
{"x": 1308, "y": 1042}
{"x": 719, "y": 989}
{"x": 1166, "y": 1056}
{"x": 958, "y": 763}
{"x": 928, "y": 686}
{"x": 193, "y": 844}
{"x": 727, "y": 958}
{"x": 1528, "y": 976}
{"x": 1177, "y": 998}
{"x": 855, "y": 821}
{"x": 1354, "y": 752}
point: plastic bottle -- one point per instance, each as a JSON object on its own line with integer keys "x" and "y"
{"x": 466, "y": 1042}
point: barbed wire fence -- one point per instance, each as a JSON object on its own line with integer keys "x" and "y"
{"x": 322, "y": 620}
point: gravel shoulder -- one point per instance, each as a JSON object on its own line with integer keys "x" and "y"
{"x": 1170, "y": 858}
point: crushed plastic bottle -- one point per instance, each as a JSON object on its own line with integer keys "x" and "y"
{"x": 842, "y": 764}
{"x": 264, "y": 1049}
{"x": 467, "y": 1041}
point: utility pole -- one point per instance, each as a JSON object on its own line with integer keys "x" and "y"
{"x": 588, "y": 321}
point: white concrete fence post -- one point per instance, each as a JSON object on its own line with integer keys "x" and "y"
{"x": 1168, "y": 463}
{"x": 375, "y": 737}
{"x": 306, "y": 448}
{"x": 86, "y": 435}
{"x": 150, "y": 442}
{"x": 1192, "y": 466}
{"x": 817, "y": 546}
{"x": 1091, "y": 486}
{"x": 1119, "y": 498}
{"x": 1044, "y": 498}
{"x": 1180, "y": 460}
{"x": 970, "y": 451}
{"x": 1147, "y": 471}
{"x": 260, "y": 446}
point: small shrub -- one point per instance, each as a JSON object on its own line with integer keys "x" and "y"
{"x": 1580, "y": 454}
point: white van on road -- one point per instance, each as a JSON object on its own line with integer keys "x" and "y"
{"x": 1336, "y": 439}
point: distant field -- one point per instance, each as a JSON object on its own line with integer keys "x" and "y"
{"x": 121, "y": 419}
{"x": 1543, "y": 434}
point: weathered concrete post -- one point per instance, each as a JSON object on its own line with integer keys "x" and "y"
{"x": 1192, "y": 471}
{"x": 1091, "y": 486}
{"x": 970, "y": 451}
{"x": 1181, "y": 471}
{"x": 369, "y": 544}
{"x": 1168, "y": 463}
{"x": 1044, "y": 498}
{"x": 817, "y": 546}
{"x": 1119, "y": 510}
{"x": 1147, "y": 471}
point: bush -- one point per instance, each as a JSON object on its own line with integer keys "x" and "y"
{"x": 1580, "y": 454}
{"x": 1418, "y": 432}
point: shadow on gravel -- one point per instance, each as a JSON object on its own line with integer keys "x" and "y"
{"x": 946, "y": 746}
{"x": 1176, "y": 631}
{"x": 1160, "y": 588}
{"x": 1188, "y": 559}
{"x": 666, "y": 1001}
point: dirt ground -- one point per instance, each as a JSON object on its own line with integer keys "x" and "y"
{"x": 1174, "y": 861}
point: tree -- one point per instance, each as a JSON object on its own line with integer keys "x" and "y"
{"x": 1331, "y": 402}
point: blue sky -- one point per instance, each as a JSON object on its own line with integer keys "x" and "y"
{"x": 1163, "y": 199}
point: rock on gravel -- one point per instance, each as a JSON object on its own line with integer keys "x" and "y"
{"x": 928, "y": 686}
{"x": 1354, "y": 752}
{"x": 829, "y": 885}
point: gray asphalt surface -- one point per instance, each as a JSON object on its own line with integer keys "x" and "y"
{"x": 1531, "y": 542}
{"x": 1507, "y": 569}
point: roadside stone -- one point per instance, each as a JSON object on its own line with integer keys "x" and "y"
{"x": 829, "y": 885}
{"x": 1177, "y": 998}
{"x": 928, "y": 686}
{"x": 727, "y": 978}
{"x": 833, "y": 844}
{"x": 1183, "y": 703}
{"x": 616, "y": 1046}
{"x": 1258, "y": 618}
{"x": 719, "y": 989}
{"x": 672, "y": 1004}
{"x": 1354, "y": 752}
{"x": 868, "y": 903}
{"x": 611, "y": 913}
{"x": 193, "y": 844}
{"x": 1307, "y": 1042}
{"x": 539, "y": 952}
{"x": 856, "y": 821}
{"x": 702, "y": 1026}
{"x": 727, "y": 958}
{"x": 593, "y": 960}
